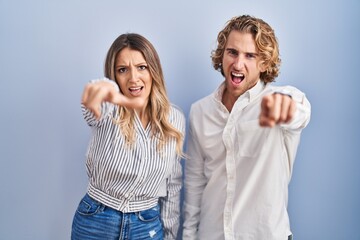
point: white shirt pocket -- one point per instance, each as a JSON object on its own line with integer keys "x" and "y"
{"x": 250, "y": 139}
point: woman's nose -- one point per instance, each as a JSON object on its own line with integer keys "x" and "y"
{"x": 133, "y": 77}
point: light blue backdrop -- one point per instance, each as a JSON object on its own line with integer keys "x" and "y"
{"x": 50, "y": 49}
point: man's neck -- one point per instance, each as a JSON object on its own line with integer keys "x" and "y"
{"x": 228, "y": 100}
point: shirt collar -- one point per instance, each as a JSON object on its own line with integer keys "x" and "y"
{"x": 256, "y": 90}
{"x": 249, "y": 94}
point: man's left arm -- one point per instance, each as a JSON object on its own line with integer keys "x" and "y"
{"x": 286, "y": 106}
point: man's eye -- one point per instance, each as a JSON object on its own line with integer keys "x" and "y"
{"x": 233, "y": 52}
{"x": 250, "y": 55}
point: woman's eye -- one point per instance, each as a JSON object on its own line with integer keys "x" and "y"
{"x": 122, "y": 70}
{"x": 142, "y": 67}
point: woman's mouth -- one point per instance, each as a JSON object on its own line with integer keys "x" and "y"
{"x": 135, "y": 91}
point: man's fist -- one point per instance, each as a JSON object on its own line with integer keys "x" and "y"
{"x": 275, "y": 109}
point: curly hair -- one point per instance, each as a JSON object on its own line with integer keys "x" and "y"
{"x": 265, "y": 41}
{"x": 159, "y": 104}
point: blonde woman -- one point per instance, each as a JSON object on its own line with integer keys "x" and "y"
{"x": 133, "y": 159}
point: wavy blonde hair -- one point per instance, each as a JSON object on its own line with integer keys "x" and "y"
{"x": 265, "y": 41}
{"x": 159, "y": 104}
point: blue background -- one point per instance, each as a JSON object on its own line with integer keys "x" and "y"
{"x": 50, "y": 49}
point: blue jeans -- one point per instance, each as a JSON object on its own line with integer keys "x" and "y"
{"x": 95, "y": 221}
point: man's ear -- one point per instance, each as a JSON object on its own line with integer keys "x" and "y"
{"x": 262, "y": 66}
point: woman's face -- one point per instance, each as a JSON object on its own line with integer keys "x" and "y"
{"x": 132, "y": 75}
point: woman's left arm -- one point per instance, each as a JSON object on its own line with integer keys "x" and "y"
{"x": 170, "y": 204}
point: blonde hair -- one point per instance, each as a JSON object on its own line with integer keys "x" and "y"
{"x": 159, "y": 105}
{"x": 265, "y": 42}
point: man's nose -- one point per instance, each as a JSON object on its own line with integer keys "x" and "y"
{"x": 239, "y": 63}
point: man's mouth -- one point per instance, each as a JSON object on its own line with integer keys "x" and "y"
{"x": 237, "y": 78}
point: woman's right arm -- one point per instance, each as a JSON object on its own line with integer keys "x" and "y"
{"x": 100, "y": 96}
{"x": 93, "y": 102}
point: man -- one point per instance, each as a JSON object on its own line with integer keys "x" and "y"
{"x": 242, "y": 141}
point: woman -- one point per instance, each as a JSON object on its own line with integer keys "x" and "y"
{"x": 133, "y": 159}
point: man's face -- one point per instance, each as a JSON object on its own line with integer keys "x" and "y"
{"x": 241, "y": 64}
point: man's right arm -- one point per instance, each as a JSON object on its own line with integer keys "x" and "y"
{"x": 195, "y": 181}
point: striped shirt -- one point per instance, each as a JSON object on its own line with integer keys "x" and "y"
{"x": 131, "y": 179}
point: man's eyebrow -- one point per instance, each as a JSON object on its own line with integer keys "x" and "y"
{"x": 235, "y": 50}
{"x": 231, "y": 49}
{"x": 255, "y": 54}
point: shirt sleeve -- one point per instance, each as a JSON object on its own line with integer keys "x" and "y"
{"x": 292, "y": 130}
{"x": 195, "y": 182}
{"x": 106, "y": 107}
{"x": 303, "y": 109}
{"x": 170, "y": 204}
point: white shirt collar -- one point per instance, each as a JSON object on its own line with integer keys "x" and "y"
{"x": 249, "y": 94}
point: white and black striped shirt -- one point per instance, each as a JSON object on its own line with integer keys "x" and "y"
{"x": 131, "y": 179}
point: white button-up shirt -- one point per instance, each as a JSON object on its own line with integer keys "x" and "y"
{"x": 237, "y": 174}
